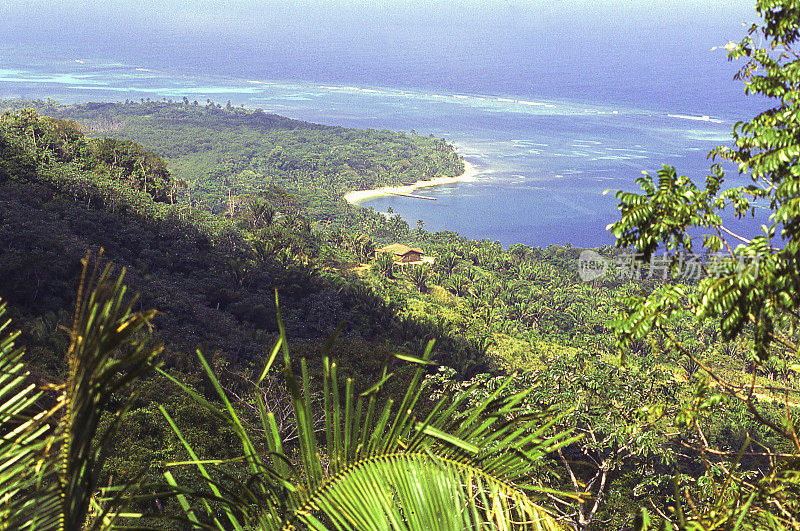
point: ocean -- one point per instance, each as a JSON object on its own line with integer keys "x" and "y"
{"x": 544, "y": 161}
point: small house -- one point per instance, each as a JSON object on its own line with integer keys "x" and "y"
{"x": 402, "y": 253}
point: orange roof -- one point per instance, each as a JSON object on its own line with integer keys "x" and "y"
{"x": 399, "y": 249}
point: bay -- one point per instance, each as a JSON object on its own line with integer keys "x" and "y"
{"x": 543, "y": 163}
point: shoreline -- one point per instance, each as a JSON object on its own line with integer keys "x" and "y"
{"x": 470, "y": 171}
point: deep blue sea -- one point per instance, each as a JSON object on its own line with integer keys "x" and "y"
{"x": 544, "y": 160}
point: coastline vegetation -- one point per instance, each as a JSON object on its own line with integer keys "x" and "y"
{"x": 217, "y": 153}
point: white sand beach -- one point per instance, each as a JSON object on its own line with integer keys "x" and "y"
{"x": 469, "y": 174}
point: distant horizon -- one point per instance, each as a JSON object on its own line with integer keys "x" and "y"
{"x": 608, "y": 51}
{"x": 726, "y": 109}
{"x": 219, "y": 89}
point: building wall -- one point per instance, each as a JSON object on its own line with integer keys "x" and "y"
{"x": 411, "y": 257}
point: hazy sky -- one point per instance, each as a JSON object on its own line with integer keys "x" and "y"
{"x": 517, "y": 46}
{"x": 302, "y": 19}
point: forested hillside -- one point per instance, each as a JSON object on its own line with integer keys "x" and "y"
{"x": 217, "y": 153}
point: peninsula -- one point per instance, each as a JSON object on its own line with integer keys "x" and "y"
{"x": 470, "y": 171}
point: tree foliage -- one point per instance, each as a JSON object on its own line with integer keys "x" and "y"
{"x": 752, "y": 283}
{"x": 221, "y": 154}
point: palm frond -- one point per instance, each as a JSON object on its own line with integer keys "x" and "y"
{"x": 48, "y": 473}
{"x": 104, "y": 357}
{"x": 420, "y": 491}
{"x": 24, "y": 437}
{"x": 457, "y": 468}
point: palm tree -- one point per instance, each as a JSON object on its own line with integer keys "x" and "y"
{"x": 689, "y": 365}
{"x": 384, "y": 264}
{"x": 459, "y": 284}
{"x": 259, "y": 213}
{"x": 419, "y": 276}
{"x": 471, "y": 273}
{"x": 366, "y": 247}
{"x": 456, "y": 468}
{"x": 448, "y": 263}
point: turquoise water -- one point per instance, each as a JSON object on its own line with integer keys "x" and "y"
{"x": 544, "y": 163}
